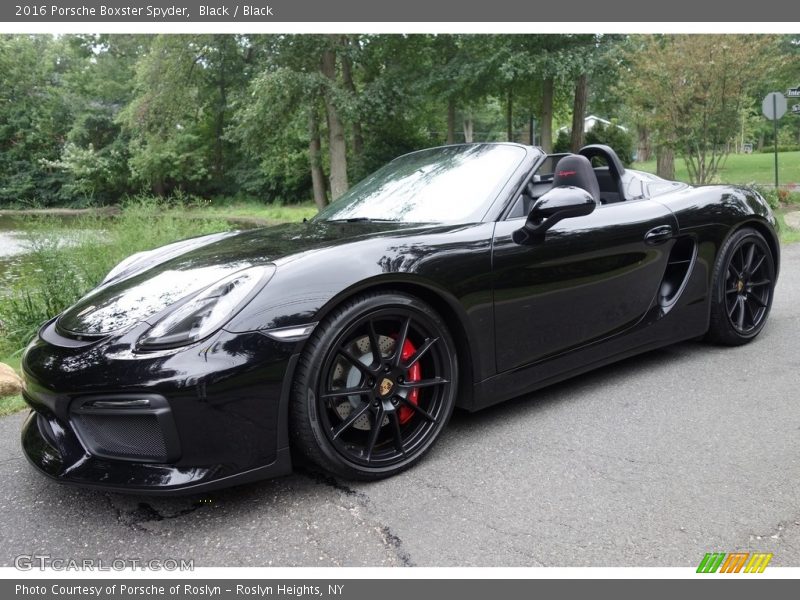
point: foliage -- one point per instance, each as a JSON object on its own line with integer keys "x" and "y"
{"x": 617, "y": 138}
{"x": 783, "y": 197}
{"x": 11, "y": 405}
{"x": 787, "y": 148}
{"x": 563, "y": 142}
{"x": 770, "y": 194}
{"x": 694, "y": 90}
{"x": 91, "y": 119}
{"x": 34, "y": 118}
{"x": 610, "y": 135}
{"x": 180, "y": 110}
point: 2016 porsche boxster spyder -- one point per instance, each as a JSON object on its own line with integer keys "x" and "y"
{"x": 455, "y": 276}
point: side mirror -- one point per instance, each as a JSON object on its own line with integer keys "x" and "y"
{"x": 562, "y": 202}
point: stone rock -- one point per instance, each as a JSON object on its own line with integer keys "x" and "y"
{"x": 793, "y": 219}
{"x": 10, "y": 382}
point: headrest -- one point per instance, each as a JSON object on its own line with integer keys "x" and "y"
{"x": 576, "y": 170}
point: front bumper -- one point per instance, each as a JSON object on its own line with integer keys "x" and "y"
{"x": 182, "y": 421}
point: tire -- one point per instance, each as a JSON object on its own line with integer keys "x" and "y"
{"x": 743, "y": 285}
{"x": 361, "y": 414}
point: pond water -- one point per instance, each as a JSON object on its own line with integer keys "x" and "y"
{"x": 13, "y": 247}
{"x": 12, "y": 241}
{"x": 16, "y": 244}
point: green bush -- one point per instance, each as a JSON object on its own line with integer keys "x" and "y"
{"x": 769, "y": 149}
{"x": 610, "y": 135}
{"x": 562, "y": 143}
{"x": 777, "y": 198}
{"x": 769, "y": 194}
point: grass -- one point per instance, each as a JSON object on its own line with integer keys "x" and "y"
{"x": 11, "y": 404}
{"x": 788, "y": 235}
{"x": 744, "y": 168}
{"x": 251, "y": 209}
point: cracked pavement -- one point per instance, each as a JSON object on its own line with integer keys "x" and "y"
{"x": 650, "y": 462}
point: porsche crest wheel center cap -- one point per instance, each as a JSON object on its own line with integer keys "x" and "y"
{"x": 740, "y": 286}
{"x": 386, "y": 386}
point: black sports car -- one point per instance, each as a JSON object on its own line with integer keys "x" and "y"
{"x": 455, "y": 276}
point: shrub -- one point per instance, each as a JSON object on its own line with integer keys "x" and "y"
{"x": 769, "y": 148}
{"x": 562, "y": 143}
{"x": 610, "y": 135}
{"x": 769, "y": 194}
{"x": 782, "y": 197}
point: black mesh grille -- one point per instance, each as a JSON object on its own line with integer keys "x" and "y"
{"x": 126, "y": 436}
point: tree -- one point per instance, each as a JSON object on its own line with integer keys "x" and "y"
{"x": 97, "y": 85}
{"x": 34, "y": 118}
{"x": 693, "y": 88}
{"x": 180, "y": 110}
{"x": 337, "y": 142}
{"x": 579, "y": 112}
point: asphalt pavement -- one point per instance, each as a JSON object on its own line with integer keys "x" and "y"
{"x": 651, "y": 462}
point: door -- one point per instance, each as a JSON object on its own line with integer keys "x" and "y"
{"x": 591, "y": 278}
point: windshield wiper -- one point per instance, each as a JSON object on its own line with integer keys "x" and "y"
{"x": 361, "y": 220}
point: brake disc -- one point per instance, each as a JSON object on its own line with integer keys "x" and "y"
{"x": 351, "y": 376}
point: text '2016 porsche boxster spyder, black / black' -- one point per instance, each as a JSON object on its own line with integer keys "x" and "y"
{"x": 458, "y": 276}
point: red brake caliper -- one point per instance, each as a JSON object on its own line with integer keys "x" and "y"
{"x": 404, "y": 412}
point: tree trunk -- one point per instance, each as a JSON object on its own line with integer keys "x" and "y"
{"x": 643, "y": 149}
{"x": 510, "y": 113}
{"x": 315, "y": 160}
{"x": 347, "y": 77}
{"x": 579, "y": 112}
{"x": 665, "y": 162}
{"x": 219, "y": 125}
{"x": 546, "y": 115}
{"x": 468, "y": 127}
{"x": 337, "y": 145}
{"x": 451, "y": 121}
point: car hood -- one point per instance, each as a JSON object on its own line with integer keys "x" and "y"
{"x": 149, "y": 285}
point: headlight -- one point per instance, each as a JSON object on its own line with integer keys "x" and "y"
{"x": 208, "y": 310}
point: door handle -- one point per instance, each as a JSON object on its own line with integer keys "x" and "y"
{"x": 659, "y": 234}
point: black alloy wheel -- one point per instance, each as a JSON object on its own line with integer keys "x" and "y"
{"x": 743, "y": 288}
{"x": 375, "y": 386}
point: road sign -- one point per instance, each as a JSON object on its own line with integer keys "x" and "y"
{"x": 774, "y": 106}
{"x": 796, "y": 109}
{"x": 793, "y": 92}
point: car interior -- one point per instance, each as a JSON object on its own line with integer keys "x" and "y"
{"x": 606, "y": 175}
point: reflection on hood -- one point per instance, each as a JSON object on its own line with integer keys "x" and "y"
{"x": 161, "y": 279}
{"x": 130, "y": 301}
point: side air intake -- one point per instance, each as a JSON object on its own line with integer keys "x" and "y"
{"x": 679, "y": 265}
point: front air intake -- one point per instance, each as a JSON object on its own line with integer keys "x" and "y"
{"x": 138, "y": 429}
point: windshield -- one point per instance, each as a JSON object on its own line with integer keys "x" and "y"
{"x": 442, "y": 185}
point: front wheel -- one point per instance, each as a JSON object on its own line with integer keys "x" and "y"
{"x": 375, "y": 386}
{"x": 744, "y": 281}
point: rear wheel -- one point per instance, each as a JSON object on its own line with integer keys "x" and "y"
{"x": 375, "y": 386}
{"x": 744, "y": 280}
